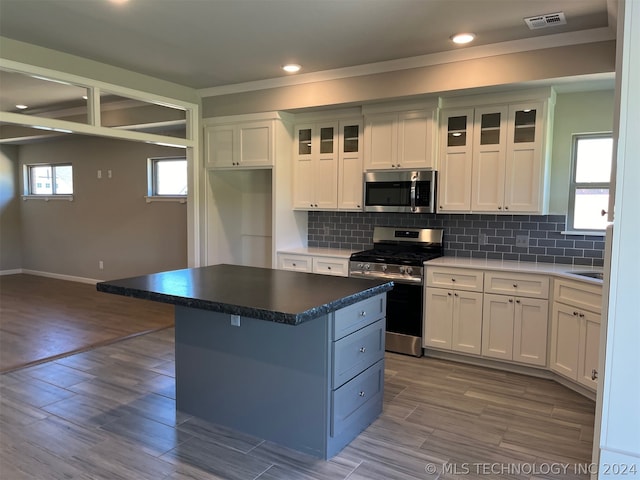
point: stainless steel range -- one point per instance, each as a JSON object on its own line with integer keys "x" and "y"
{"x": 398, "y": 254}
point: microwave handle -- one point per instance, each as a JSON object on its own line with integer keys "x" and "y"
{"x": 414, "y": 180}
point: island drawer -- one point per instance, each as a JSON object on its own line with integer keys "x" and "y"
{"x": 358, "y": 402}
{"x": 356, "y": 352}
{"x": 352, "y": 318}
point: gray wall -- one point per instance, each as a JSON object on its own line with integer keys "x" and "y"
{"x": 108, "y": 219}
{"x": 10, "y": 230}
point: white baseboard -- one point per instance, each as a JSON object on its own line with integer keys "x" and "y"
{"x": 70, "y": 278}
{"x": 10, "y": 272}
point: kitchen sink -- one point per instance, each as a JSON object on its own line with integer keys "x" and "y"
{"x": 597, "y": 275}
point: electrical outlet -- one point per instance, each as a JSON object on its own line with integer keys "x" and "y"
{"x": 100, "y": 264}
{"x": 326, "y": 230}
{"x": 99, "y": 173}
{"x": 482, "y": 239}
{"x": 522, "y": 241}
{"x": 235, "y": 320}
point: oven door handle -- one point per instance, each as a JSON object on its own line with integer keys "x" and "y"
{"x": 414, "y": 181}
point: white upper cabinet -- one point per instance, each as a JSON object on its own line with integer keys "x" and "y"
{"x": 494, "y": 159}
{"x": 399, "y": 137}
{"x": 239, "y": 145}
{"x": 315, "y": 166}
{"x": 350, "y": 165}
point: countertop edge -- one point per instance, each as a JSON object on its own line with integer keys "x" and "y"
{"x": 555, "y": 269}
{"x": 261, "y": 314}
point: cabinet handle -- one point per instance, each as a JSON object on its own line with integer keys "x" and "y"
{"x": 603, "y": 212}
{"x": 363, "y": 349}
{"x": 328, "y": 268}
{"x": 455, "y": 294}
{"x": 515, "y": 285}
{"x": 575, "y": 313}
{"x": 517, "y": 301}
{"x": 449, "y": 293}
{"x": 294, "y": 264}
{"x": 506, "y": 208}
{"x": 453, "y": 279}
{"x": 363, "y": 313}
{"x": 499, "y": 208}
{"x": 511, "y": 300}
{"x": 581, "y": 315}
{"x": 361, "y": 394}
{"x": 594, "y": 374}
{"x": 441, "y": 207}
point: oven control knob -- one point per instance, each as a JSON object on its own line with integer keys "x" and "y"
{"x": 384, "y": 268}
{"x": 408, "y": 270}
{"x": 360, "y": 265}
{"x": 367, "y": 266}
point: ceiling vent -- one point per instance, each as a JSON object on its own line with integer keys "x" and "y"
{"x": 546, "y": 21}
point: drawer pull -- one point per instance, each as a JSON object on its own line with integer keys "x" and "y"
{"x": 294, "y": 264}
{"x": 575, "y": 313}
{"x": 515, "y": 285}
{"x": 453, "y": 279}
{"x": 449, "y": 293}
{"x": 363, "y": 313}
{"x": 363, "y": 349}
{"x": 361, "y": 394}
{"x": 594, "y": 374}
{"x": 511, "y": 300}
{"x": 328, "y": 268}
{"x": 581, "y": 315}
{"x": 517, "y": 301}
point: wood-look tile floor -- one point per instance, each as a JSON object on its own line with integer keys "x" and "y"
{"x": 43, "y": 318}
{"x": 109, "y": 413}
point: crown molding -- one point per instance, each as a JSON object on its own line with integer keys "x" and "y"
{"x": 467, "y": 53}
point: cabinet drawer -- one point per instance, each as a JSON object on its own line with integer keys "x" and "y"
{"x": 459, "y": 278}
{"x": 298, "y": 263}
{"x": 357, "y": 352}
{"x": 578, "y": 294}
{"x": 349, "y": 319}
{"x": 331, "y": 266}
{"x": 533, "y": 286}
{"x": 352, "y": 404}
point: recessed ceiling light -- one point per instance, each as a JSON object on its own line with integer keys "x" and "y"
{"x": 462, "y": 38}
{"x": 21, "y": 107}
{"x": 291, "y": 68}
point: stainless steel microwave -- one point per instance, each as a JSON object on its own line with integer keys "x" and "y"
{"x": 400, "y": 191}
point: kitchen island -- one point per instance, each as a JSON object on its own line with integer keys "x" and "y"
{"x": 294, "y": 358}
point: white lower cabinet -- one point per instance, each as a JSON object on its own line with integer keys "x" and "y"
{"x": 575, "y": 331}
{"x": 453, "y": 320}
{"x": 515, "y": 328}
{"x": 325, "y": 265}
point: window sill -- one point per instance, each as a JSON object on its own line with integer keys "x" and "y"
{"x": 46, "y": 198}
{"x": 591, "y": 233}
{"x": 166, "y": 198}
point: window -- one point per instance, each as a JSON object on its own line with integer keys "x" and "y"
{"x": 49, "y": 180}
{"x": 168, "y": 177}
{"x": 590, "y": 177}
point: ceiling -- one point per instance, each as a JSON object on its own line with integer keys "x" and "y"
{"x": 210, "y": 43}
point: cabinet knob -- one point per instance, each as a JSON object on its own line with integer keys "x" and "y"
{"x": 603, "y": 212}
{"x": 363, "y": 349}
{"x": 449, "y": 293}
{"x": 294, "y": 264}
{"x": 511, "y": 300}
{"x": 575, "y": 313}
{"x": 455, "y": 294}
{"x": 515, "y": 285}
{"x": 361, "y": 394}
{"x": 517, "y": 301}
{"x": 363, "y": 313}
{"x": 441, "y": 207}
{"x": 581, "y": 315}
{"x": 328, "y": 268}
{"x": 499, "y": 208}
{"x": 453, "y": 279}
{"x": 506, "y": 208}
{"x": 594, "y": 374}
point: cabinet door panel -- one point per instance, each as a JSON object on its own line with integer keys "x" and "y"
{"x": 437, "y": 318}
{"x": 530, "y": 331}
{"x": 415, "y": 140}
{"x": 326, "y": 182}
{"x": 381, "y": 142}
{"x": 304, "y": 185}
{"x": 350, "y": 167}
{"x": 497, "y": 326}
{"x": 255, "y": 145}
{"x": 219, "y": 146}
{"x": 467, "y": 322}
{"x": 589, "y": 349}
{"x": 565, "y": 337}
{"x": 454, "y": 189}
{"x": 489, "y": 154}
{"x": 522, "y": 192}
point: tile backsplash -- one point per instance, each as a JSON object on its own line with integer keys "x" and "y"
{"x": 531, "y": 238}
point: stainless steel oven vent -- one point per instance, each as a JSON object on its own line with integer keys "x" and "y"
{"x": 546, "y": 20}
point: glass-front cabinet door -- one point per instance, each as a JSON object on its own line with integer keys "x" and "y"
{"x": 350, "y": 166}
{"x": 454, "y": 175}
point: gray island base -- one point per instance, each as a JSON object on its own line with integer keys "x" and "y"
{"x": 309, "y": 377}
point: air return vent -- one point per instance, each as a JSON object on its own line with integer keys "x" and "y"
{"x": 546, "y": 21}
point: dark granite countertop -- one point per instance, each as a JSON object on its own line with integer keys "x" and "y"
{"x": 263, "y": 293}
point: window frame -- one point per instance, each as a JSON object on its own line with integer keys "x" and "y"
{"x": 574, "y": 185}
{"x": 28, "y": 182}
{"x": 152, "y": 181}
